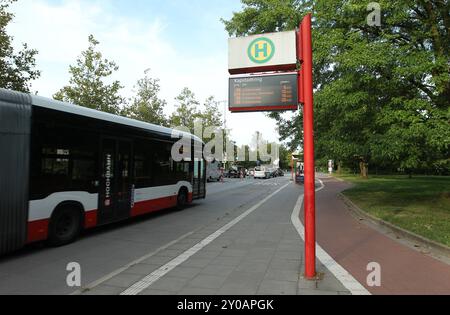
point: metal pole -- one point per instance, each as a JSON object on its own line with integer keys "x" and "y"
{"x": 292, "y": 168}
{"x": 308, "y": 116}
{"x": 295, "y": 171}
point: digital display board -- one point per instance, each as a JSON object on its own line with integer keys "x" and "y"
{"x": 264, "y": 93}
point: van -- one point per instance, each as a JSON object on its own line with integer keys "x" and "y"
{"x": 214, "y": 171}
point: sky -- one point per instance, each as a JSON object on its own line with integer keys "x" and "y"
{"x": 182, "y": 42}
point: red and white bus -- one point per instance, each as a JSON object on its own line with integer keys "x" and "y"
{"x": 64, "y": 168}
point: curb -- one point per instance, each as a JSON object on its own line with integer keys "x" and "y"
{"x": 413, "y": 237}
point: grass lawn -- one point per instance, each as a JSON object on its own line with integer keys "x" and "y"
{"x": 420, "y": 204}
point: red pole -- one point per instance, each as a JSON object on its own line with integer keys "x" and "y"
{"x": 308, "y": 125}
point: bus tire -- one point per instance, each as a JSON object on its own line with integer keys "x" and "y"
{"x": 182, "y": 199}
{"x": 65, "y": 225}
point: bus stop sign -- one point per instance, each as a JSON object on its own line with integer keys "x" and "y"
{"x": 262, "y": 53}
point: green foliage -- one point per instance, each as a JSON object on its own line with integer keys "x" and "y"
{"x": 381, "y": 93}
{"x": 285, "y": 157}
{"x": 87, "y": 84}
{"x": 264, "y": 16}
{"x": 146, "y": 105}
{"x": 407, "y": 202}
{"x": 17, "y": 70}
{"x": 211, "y": 114}
{"x": 186, "y": 110}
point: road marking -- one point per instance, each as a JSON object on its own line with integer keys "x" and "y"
{"x": 337, "y": 270}
{"x": 146, "y": 282}
{"x": 267, "y": 184}
{"x": 224, "y": 187}
{"x": 111, "y": 275}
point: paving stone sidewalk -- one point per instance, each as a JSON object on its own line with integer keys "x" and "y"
{"x": 260, "y": 255}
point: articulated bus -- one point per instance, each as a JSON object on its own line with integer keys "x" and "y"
{"x": 65, "y": 168}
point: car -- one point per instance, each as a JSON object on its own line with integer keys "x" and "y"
{"x": 276, "y": 172}
{"x": 233, "y": 173}
{"x": 262, "y": 172}
{"x": 280, "y": 173}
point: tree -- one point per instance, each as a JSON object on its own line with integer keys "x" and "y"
{"x": 210, "y": 114}
{"x": 387, "y": 83}
{"x": 146, "y": 105}
{"x": 264, "y": 16}
{"x": 211, "y": 118}
{"x": 186, "y": 110}
{"x": 87, "y": 84}
{"x": 381, "y": 93}
{"x": 17, "y": 70}
{"x": 285, "y": 157}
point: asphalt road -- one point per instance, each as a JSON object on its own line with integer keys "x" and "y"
{"x": 39, "y": 269}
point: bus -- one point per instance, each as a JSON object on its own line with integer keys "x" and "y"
{"x": 65, "y": 168}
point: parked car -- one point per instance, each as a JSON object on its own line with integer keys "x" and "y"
{"x": 262, "y": 172}
{"x": 279, "y": 173}
{"x": 273, "y": 173}
{"x": 233, "y": 173}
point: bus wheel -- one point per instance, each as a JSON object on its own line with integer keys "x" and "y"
{"x": 65, "y": 226}
{"x": 182, "y": 199}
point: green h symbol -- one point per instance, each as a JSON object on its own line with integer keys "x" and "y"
{"x": 259, "y": 50}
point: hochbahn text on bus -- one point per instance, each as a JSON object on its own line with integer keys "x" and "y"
{"x": 65, "y": 168}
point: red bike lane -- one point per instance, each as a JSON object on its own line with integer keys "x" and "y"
{"x": 354, "y": 245}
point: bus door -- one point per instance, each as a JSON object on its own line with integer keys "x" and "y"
{"x": 115, "y": 195}
{"x": 199, "y": 178}
{"x": 199, "y": 183}
{"x": 196, "y": 181}
{"x": 202, "y": 188}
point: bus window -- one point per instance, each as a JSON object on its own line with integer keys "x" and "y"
{"x": 142, "y": 164}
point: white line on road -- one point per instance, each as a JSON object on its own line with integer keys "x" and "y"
{"x": 157, "y": 274}
{"x": 337, "y": 270}
{"x": 111, "y": 275}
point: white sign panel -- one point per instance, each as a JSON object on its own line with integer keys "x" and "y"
{"x": 265, "y": 52}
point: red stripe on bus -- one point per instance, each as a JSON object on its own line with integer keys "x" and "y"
{"x": 90, "y": 219}
{"x": 150, "y": 206}
{"x": 37, "y": 231}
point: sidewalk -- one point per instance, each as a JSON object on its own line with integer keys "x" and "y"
{"x": 260, "y": 255}
{"x": 353, "y": 244}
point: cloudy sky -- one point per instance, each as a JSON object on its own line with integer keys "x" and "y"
{"x": 183, "y": 42}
